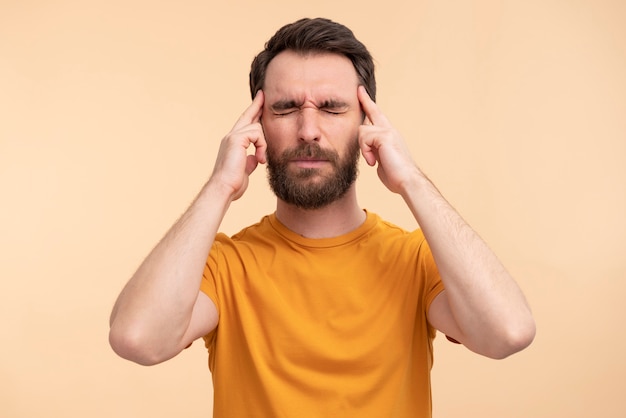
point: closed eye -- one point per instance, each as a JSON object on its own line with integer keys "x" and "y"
{"x": 284, "y": 107}
{"x": 285, "y": 112}
{"x": 334, "y": 107}
{"x": 327, "y": 111}
{"x": 334, "y": 112}
{"x": 287, "y": 107}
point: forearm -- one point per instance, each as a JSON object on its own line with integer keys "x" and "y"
{"x": 488, "y": 307}
{"x": 482, "y": 305}
{"x": 153, "y": 311}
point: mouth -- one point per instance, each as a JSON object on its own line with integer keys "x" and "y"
{"x": 309, "y": 162}
{"x": 309, "y": 156}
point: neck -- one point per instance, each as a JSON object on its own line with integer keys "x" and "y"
{"x": 337, "y": 218}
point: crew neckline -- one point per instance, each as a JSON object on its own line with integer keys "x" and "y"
{"x": 288, "y": 234}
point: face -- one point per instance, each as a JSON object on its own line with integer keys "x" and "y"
{"x": 311, "y": 117}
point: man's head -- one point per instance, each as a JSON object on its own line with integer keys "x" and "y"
{"x": 315, "y": 36}
{"x": 309, "y": 73}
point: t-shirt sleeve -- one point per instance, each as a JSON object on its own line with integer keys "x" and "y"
{"x": 208, "y": 285}
{"x": 433, "y": 285}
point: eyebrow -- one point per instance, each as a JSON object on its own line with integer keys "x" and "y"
{"x": 287, "y": 104}
{"x": 284, "y": 105}
{"x": 333, "y": 104}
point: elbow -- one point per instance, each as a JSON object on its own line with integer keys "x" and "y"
{"x": 132, "y": 345}
{"x": 513, "y": 340}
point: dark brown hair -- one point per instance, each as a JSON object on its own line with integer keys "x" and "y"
{"x": 315, "y": 35}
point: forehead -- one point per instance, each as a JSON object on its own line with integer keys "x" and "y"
{"x": 317, "y": 76}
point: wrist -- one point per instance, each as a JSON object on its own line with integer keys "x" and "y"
{"x": 415, "y": 181}
{"x": 217, "y": 191}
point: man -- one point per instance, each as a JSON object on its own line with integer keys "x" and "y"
{"x": 322, "y": 309}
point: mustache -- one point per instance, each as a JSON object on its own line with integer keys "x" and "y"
{"x": 310, "y": 150}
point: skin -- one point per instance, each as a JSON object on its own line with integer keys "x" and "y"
{"x": 321, "y": 90}
{"x": 316, "y": 98}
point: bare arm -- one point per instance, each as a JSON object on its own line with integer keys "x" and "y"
{"x": 160, "y": 311}
{"x": 482, "y": 306}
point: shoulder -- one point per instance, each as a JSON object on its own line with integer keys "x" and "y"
{"x": 250, "y": 233}
{"x": 248, "y": 243}
{"x": 391, "y": 233}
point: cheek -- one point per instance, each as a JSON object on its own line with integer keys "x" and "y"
{"x": 274, "y": 130}
{"x": 348, "y": 130}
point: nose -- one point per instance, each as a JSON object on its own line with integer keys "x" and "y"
{"x": 308, "y": 125}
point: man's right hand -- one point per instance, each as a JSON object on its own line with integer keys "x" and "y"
{"x": 233, "y": 165}
{"x": 160, "y": 311}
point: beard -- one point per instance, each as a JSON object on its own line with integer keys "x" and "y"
{"x": 306, "y": 188}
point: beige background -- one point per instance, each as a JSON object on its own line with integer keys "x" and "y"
{"x": 110, "y": 116}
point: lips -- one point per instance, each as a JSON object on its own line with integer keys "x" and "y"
{"x": 309, "y": 156}
{"x": 308, "y": 162}
{"x": 309, "y": 159}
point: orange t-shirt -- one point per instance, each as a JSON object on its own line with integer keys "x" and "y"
{"x": 331, "y": 327}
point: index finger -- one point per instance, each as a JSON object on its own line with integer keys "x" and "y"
{"x": 253, "y": 113}
{"x": 371, "y": 109}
